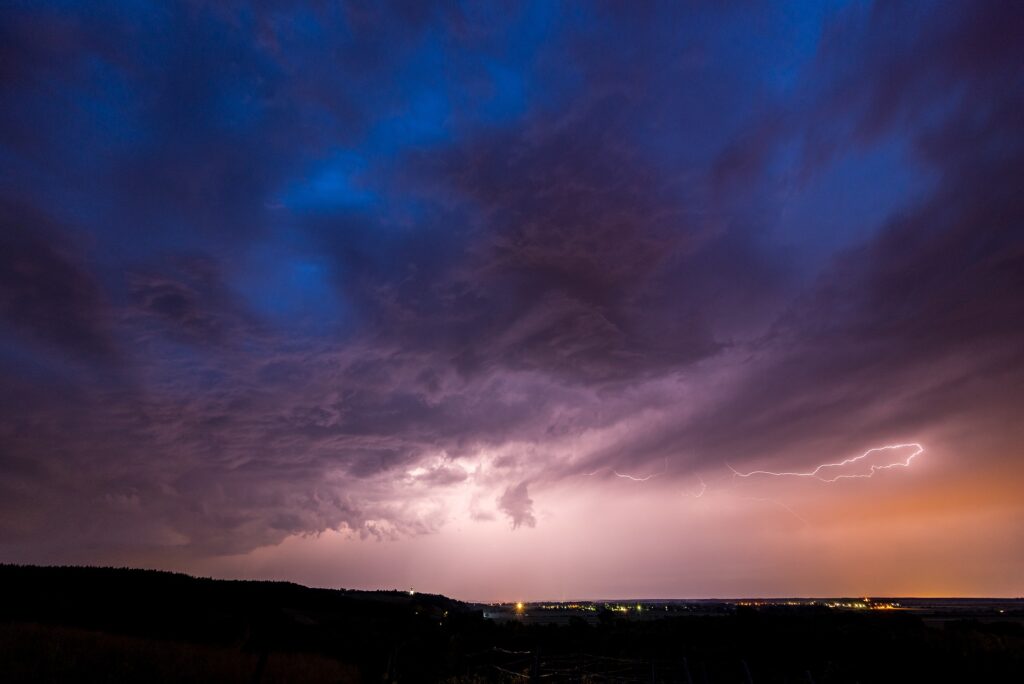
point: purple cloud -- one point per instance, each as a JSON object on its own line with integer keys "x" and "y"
{"x": 271, "y": 275}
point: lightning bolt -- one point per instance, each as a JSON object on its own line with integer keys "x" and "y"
{"x": 627, "y": 476}
{"x": 905, "y": 463}
{"x": 703, "y": 488}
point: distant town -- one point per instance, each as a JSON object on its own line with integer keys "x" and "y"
{"x": 558, "y": 612}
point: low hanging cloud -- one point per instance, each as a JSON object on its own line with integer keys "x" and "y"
{"x": 518, "y": 506}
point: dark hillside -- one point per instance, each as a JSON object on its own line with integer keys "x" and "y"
{"x": 119, "y": 625}
{"x": 250, "y": 617}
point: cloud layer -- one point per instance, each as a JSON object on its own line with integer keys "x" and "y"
{"x": 391, "y": 271}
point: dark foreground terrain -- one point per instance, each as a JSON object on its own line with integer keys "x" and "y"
{"x": 114, "y": 625}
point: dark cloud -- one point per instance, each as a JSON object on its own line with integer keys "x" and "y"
{"x": 518, "y": 506}
{"x": 189, "y": 300}
{"x": 44, "y": 292}
{"x": 356, "y": 263}
{"x": 562, "y": 253}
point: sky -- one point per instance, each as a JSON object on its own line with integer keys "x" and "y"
{"x": 517, "y": 301}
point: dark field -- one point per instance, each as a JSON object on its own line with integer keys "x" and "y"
{"x": 109, "y": 625}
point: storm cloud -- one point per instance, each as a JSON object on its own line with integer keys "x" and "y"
{"x": 280, "y": 271}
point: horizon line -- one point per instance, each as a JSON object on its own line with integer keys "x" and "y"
{"x": 722, "y": 599}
